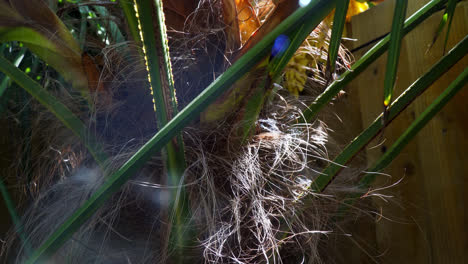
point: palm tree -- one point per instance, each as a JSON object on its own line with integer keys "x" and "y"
{"x": 167, "y": 135}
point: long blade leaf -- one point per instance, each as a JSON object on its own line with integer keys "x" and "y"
{"x": 446, "y": 17}
{"x": 158, "y": 65}
{"x": 416, "y": 126}
{"x": 6, "y": 80}
{"x": 396, "y": 36}
{"x": 14, "y": 216}
{"x": 157, "y": 60}
{"x": 39, "y": 28}
{"x": 132, "y": 21}
{"x": 53, "y": 104}
{"x": 450, "y": 12}
{"x": 335, "y": 40}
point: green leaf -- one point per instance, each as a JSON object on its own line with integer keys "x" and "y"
{"x": 335, "y": 40}
{"x": 132, "y": 21}
{"x": 83, "y": 25}
{"x": 450, "y": 13}
{"x": 251, "y": 110}
{"x": 112, "y": 28}
{"x": 375, "y": 52}
{"x": 5, "y": 83}
{"x": 158, "y": 65}
{"x": 297, "y": 37}
{"x": 54, "y": 105}
{"x": 317, "y": 9}
{"x": 417, "y": 125}
{"x": 35, "y": 25}
{"x": 441, "y": 26}
{"x": 393, "y": 57}
{"x": 14, "y": 217}
{"x": 447, "y": 16}
{"x": 156, "y": 57}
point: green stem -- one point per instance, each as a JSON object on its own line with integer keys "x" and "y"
{"x": 335, "y": 40}
{"x": 393, "y": 57}
{"x": 4, "y": 84}
{"x": 14, "y": 217}
{"x": 132, "y": 21}
{"x": 450, "y": 11}
{"x": 157, "y": 58}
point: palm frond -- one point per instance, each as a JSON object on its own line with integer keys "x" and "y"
{"x": 14, "y": 216}
{"x": 55, "y": 106}
{"x": 34, "y": 24}
{"x": 444, "y": 64}
{"x": 405, "y": 139}
{"x": 335, "y": 41}
{"x": 375, "y": 52}
{"x": 393, "y": 57}
{"x": 158, "y": 65}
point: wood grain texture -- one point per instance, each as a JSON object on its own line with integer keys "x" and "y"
{"x": 424, "y": 222}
